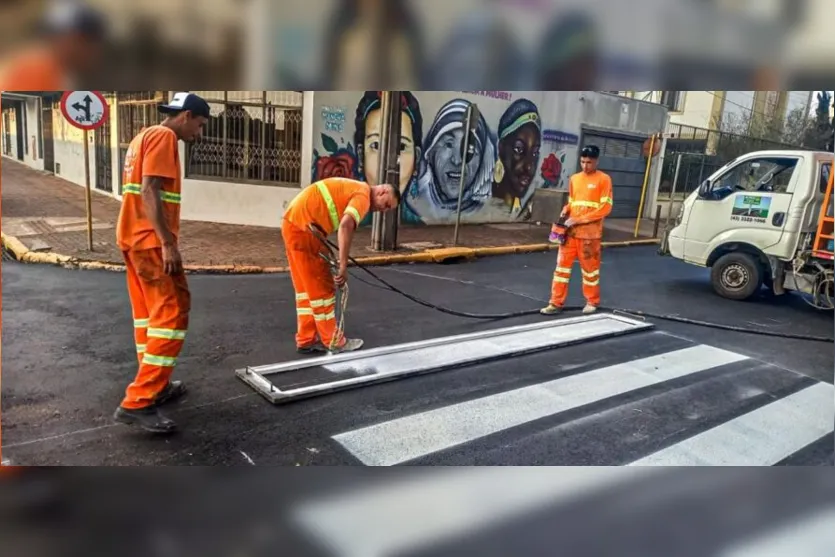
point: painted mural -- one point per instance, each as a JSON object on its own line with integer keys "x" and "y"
{"x": 511, "y": 155}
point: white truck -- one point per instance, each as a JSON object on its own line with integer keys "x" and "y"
{"x": 764, "y": 218}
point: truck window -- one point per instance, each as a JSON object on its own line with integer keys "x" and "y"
{"x": 772, "y": 175}
{"x": 824, "y": 178}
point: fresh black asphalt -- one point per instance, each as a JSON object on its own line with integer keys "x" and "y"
{"x": 68, "y": 355}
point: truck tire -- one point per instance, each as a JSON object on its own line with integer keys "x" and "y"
{"x": 736, "y": 276}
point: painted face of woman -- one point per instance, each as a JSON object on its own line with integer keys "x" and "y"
{"x": 446, "y": 162}
{"x": 371, "y": 149}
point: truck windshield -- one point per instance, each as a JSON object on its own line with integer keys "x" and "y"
{"x": 771, "y": 175}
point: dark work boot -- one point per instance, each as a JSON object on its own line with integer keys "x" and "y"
{"x": 173, "y": 391}
{"x": 149, "y": 419}
{"x": 310, "y": 349}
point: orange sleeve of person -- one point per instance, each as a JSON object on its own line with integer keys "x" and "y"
{"x": 358, "y": 205}
{"x": 159, "y": 150}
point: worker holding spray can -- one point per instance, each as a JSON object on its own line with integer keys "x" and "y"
{"x": 580, "y": 232}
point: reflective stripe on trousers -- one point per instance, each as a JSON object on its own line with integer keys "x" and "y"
{"x": 588, "y": 252}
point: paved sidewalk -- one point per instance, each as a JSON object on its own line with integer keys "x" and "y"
{"x": 47, "y": 214}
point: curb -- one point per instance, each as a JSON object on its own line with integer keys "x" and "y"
{"x": 439, "y": 255}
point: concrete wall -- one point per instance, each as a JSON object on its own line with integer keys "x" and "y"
{"x": 698, "y": 107}
{"x": 429, "y": 164}
{"x": 618, "y": 113}
{"x": 69, "y": 150}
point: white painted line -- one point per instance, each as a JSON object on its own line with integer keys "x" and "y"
{"x": 410, "y": 437}
{"x": 762, "y": 437}
{"x": 394, "y": 517}
{"x": 810, "y": 536}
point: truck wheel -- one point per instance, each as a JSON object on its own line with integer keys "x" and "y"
{"x": 736, "y": 276}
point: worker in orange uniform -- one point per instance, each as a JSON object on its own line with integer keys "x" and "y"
{"x": 148, "y": 234}
{"x": 589, "y": 202}
{"x": 330, "y": 205}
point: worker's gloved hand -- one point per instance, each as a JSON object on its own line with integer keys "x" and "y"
{"x": 569, "y": 222}
{"x": 342, "y": 275}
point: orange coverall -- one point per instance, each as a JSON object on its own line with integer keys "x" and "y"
{"x": 160, "y": 303}
{"x": 322, "y": 203}
{"x": 589, "y": 202}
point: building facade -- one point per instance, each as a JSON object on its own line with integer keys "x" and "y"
{"x": 714, "y": 110}
{"x": 260, "y": 147}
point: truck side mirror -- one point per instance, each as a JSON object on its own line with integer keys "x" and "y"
{"x": 704, "y": 188}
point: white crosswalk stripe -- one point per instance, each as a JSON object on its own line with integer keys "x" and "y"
{"x": 767, "y": 431}
{"x": 749, "y": 440}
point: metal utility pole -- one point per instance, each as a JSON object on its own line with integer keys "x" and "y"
{"x": 466, "y": 156}
{"x": 384, "y": 225}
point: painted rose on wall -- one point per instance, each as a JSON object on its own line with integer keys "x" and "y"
{"x": 339, "y": 162}
{"x": 551, "y": 170}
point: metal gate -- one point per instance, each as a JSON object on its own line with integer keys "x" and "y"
{"x": 21, "y": 138}
{"x": 135, "y": 112}
{"x": 47, "y": 134}
{"x": 621, "y": 157}
{"x": 103, "y": 156}
{"x": 7, "y": 132}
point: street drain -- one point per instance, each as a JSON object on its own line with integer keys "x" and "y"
{"x": 7, "y": 255}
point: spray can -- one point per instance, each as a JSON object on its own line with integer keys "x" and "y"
{"x": 558, "y": 231}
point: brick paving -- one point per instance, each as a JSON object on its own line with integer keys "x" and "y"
{"x": 48, "y": 213}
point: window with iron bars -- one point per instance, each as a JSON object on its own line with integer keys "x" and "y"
{"x": 673, "y": 100}
{"x": 252, "y": 136}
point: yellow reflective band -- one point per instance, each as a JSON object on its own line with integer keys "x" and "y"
{"x": 591, "y": 204}
{"x": 170, "y": 197}
{"x": 591, "y": 274}
{"x": 141, "y": 323}
{"x": 304, "y": 311}
{"x": 607, "y": 200}
{"x": 354, "y": 213}
{"x": 560, "y": 279}
{"x": 162, "y": 361}
{"x": 167, "y": 196}
{"x": 326, "y": 195}
{"x": 140, "y": 348}
{"x": 591, "y": 282}
{"x": 570, "y": 200}
{"x": 171, "y": 334}
{"x": 301, "y": 296}
{"x": 564, "y": 270}
{"x": 324, "y": 316}
{"x": 322, "y": 303}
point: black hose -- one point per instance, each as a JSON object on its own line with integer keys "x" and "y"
{"x": 636, "y": 313}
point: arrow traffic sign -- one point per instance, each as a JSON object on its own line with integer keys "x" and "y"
{"x": 86, "y": 110}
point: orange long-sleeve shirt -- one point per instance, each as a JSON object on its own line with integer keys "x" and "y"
{"x": 589, "y": 202}
{"x": 153, "y": 152}
{"x": 325, "y": 202}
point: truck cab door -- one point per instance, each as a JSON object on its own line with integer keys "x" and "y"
{"x": 748, "y": 202}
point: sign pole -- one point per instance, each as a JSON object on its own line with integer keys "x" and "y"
{"x": 86, "y": 110}
{"x": 89, "y": 199}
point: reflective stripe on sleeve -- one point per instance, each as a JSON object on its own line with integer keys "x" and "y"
{"x": 326, "y": 196}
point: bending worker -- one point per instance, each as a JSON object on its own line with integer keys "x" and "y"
{"x": 147, "y": 233}
{"x": 589, "y": 202}
{"x": 331, "y": 205}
